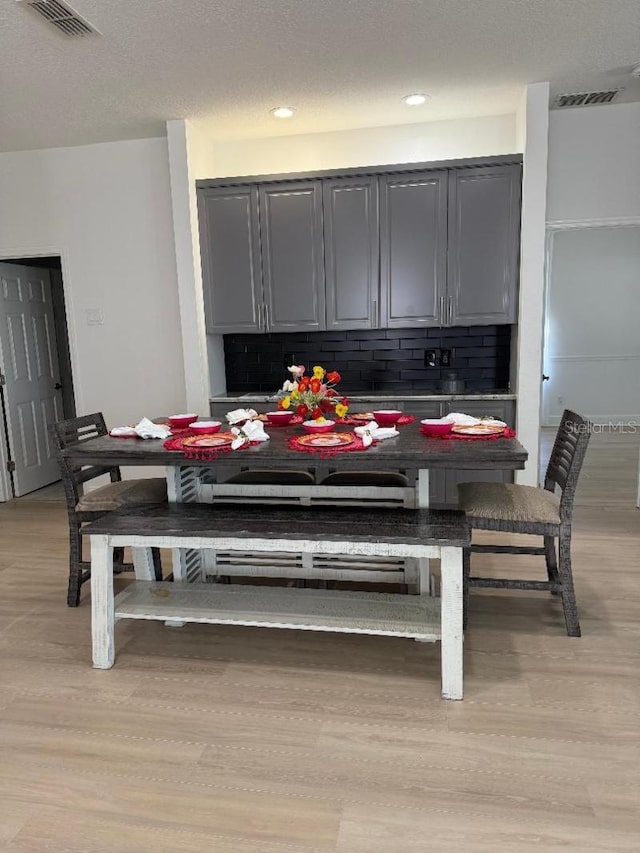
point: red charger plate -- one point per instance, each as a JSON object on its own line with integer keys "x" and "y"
{"x": 327, "y": 439}
{"x": 221, "y": 439}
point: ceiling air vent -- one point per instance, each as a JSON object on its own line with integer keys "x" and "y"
{"x": 61, "y": 16}
{"x": 585, "y": 99}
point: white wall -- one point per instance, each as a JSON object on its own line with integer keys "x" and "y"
{"x": 203, "y": 357}
{"x": 106, "y": 209}
{"x": 594, "y": 163}
{"x": 592, "y": 351}
{"x": 533, "y": 122}
{"x": 370, "y": 146}
{"x": 201, "y": 164}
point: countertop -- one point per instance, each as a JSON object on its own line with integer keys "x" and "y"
{"x": 363, "y": 396}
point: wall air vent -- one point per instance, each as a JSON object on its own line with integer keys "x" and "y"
{"x": 61, "y": 16}
{"x": 585, "y": 99}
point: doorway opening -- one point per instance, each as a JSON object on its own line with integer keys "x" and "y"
{"x": 36, "y": 378}
{"x": 591, "y": 346}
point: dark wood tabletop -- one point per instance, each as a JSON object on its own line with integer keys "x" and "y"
{"x": 409, "y": 450}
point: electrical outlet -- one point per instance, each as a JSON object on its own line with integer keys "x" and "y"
{"x": 445, "y": 358}
{"x": 431, "y": 358}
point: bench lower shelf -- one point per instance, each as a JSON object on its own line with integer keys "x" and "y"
{"x": 385, "y": 614}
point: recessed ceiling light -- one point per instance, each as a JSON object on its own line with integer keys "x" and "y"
{"x": 414, "y": 100}
{"x": 282, "y": 112}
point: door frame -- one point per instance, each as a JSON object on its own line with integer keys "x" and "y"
{"x": 554, "y": 227}
{"x": 24, "y": 253}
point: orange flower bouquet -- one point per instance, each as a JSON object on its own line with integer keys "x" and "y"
{"x": 315, "y": 396}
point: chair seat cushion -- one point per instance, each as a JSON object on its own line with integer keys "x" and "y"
{"x": 366, "y": 478}
{"x": 508, "y": 502}
{"x": 266, "y": 477}
{"x": 151, "y": 490}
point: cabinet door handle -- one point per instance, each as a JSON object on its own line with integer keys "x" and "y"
{"x": 266, "y": 316}
{"x": 259, "y": 316}
{"x": 443, "y": 319}
{"x": 375, "y": 314}
{"x": 450, "y": 319}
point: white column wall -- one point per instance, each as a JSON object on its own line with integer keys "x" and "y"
{"x": 533, "y": 130}
{"x": 183, "y": 142}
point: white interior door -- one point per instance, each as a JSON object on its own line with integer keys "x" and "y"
{"x": 29, "y": 364}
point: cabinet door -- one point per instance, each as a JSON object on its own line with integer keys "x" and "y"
{"x": 413, "y": 237}
{"x": 421, "y": 409}
{"x": 483, "y": 246}
{"x": 504, "y": 410}
{"x": 350, "y": 207}
{"x": 230, "y": 251}
{"x": 292, "y": 256}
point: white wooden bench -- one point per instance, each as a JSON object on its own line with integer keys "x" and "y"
{"x": 371, "y": 532}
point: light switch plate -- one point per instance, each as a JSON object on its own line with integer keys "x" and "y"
{"x": 95, "y": 317}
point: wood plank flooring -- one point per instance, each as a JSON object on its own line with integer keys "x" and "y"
{"x": 253, "y": 741}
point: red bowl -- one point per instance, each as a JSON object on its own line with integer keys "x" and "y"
{"x": 205, "y": 427}
{"x": 312, "y": 426}
{"x": 182, "y": 421}
{"x": 387, "y": 417}
{"x": 432, "y": 426}
{"x": 279, "y": 417}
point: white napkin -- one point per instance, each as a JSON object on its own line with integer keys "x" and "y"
{"x": 241, "y": 415}
{"x": 144, "y": 429}
{"x": 147, "y": 429}
{"x": 369, "y": 432}
{"x": 251, "y": 431}
{"x": 461, "y": 419}
{"x": 118, "y": 432}
{"x": 467, "y": 420}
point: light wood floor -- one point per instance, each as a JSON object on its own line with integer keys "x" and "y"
{"x": 250, "y": 741}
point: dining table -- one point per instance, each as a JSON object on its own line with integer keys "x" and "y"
{"x": 409, "y": 449}
{"x": 410, "y": 452}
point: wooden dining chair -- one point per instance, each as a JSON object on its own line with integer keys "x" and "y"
{"x": 81, "y": 507}
{"x": 511, "y": 508}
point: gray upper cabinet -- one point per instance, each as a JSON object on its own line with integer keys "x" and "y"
{"x": 351, "y": 252}
{"x": 484, "y": 230}
{"x": 292, "y": 256}
{"x": 230, "y": 251}
{"x": 413, "y": 248}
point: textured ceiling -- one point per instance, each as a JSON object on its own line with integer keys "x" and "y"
{"x": 341, "y": 63}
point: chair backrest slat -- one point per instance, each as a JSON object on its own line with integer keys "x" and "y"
{"x": 83, "y": 475}
{"x": 75, "y": 431}
{"x": 567, "y": 456}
